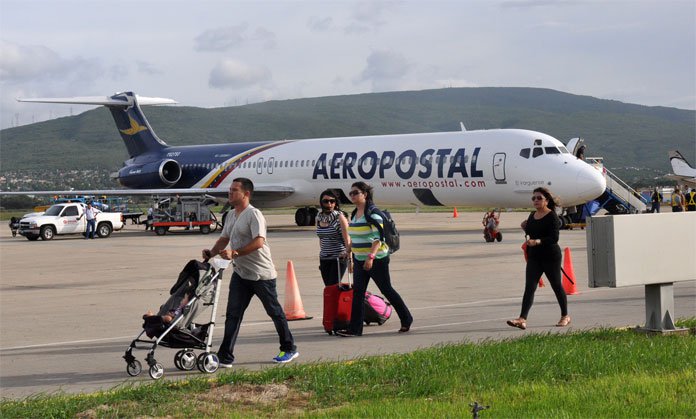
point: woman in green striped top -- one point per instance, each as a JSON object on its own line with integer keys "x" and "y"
{"x": 370, "y": 260}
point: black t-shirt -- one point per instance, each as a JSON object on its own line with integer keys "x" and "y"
{"x": 547, "y": 230}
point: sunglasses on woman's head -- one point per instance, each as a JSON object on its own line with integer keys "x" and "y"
{"x": 537, "y": 198}
{"x": 328, "y": 201}
{"x": 353, "y": 193}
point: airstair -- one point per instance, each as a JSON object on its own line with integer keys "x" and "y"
{"x": 618, "y": 198}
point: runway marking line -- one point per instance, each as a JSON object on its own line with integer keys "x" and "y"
{"x": 263, "y": 323}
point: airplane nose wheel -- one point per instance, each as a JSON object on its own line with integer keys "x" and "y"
{"x": 305, "y": 216}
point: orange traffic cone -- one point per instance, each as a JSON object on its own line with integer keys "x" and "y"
{"x": 541, "y": 282}
{"x": 293, "y": 302}
{"x": 456, "y": 214}
{"x": 569, "y": 282}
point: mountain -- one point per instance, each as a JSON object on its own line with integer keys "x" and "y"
{"x": 628, "y": 136}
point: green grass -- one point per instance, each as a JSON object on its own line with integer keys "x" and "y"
{"x": 600, "y": 373}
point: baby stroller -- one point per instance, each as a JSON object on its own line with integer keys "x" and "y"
{"x": 197, "y": 287}
{"x": 490, "y": 226}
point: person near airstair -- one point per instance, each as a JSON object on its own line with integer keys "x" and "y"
{"x": 677, "y": 200}
{"x": 656, "y": 199}
{"x": 690, "y": 200}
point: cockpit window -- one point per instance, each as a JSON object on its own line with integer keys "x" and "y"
{"x": 552, "y": 150}
{"x": 538, "y": 151}
{"x": 524, "y": 153}
{"x": 564, "y": 150}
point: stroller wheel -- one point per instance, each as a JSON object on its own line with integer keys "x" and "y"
{"x": 185, "y": 360}
{"x": 156, "y": 371}
{"x": 177, "y": 359}
{"x": 188, "y": 361}
{"x": 134, "y": 368}
{"x": 208, "y": 362}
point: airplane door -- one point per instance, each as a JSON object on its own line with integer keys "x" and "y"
{"x": 271, "y": 161}
{"x": 576, "y": 146}
{"x": 259, "y": 166}
{"x": 499, "y": 167}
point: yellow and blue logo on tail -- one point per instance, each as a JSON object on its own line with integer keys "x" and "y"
{"x": 134, "y": 127}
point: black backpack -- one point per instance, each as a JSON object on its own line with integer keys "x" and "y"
{"x": 389, "y": 234}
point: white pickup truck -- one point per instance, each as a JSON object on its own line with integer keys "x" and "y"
{"x": 65, "y": 219}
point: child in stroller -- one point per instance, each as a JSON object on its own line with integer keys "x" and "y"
{"x": 197, "y": 287}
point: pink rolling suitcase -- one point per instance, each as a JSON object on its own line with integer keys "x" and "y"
{"x": 377, "y": 309}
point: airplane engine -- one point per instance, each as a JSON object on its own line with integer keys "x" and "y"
{"x": 163, "y": 173}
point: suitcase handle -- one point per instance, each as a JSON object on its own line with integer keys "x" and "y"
{"x": 338, "y": 268}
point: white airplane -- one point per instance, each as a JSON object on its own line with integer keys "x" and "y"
{"x": 683, "y": 171}
{"x": 485, "y": 168}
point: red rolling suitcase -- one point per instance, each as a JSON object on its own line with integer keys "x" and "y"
{"x": 338, "y": 300}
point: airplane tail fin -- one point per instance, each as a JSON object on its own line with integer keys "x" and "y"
{"x": 135, "y": 131}
{"x": 679, "y": 164}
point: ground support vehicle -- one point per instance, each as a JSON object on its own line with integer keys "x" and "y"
{"x": 189, "y": 212}
{"x": 490, "y": 227}
{"x": 67, "y": 218}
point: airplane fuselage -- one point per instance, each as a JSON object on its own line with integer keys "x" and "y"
{"x": 479, "y": 168}
{"x": 489, "y": 168}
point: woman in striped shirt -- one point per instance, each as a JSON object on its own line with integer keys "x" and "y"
{"x": 370, "y": 260}
{"x": 332, "y": 229}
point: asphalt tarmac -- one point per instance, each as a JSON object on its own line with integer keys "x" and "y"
{"x": 70, "y": 307}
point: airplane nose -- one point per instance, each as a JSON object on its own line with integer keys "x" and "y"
{"x": 590, "y": 183}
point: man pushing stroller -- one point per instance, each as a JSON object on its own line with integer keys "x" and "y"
{"x": 254, "y": 273}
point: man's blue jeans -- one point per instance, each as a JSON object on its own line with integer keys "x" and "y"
{"x": 90, "y": 228}
{"x": 241, "y": 291}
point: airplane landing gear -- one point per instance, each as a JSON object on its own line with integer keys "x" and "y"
{"x": 306, "y": 216}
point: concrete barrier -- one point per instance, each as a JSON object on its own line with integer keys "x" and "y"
{"x": 654, "y": 250}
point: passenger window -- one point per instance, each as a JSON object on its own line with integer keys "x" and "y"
{"x": 524, "y": 153}
{"x": 538, "y": 151}
{"x": 552, "y": 150}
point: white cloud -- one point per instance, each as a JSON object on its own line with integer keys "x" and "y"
{"x": 148, "y": 68}
{"x": 368, "y": 16}
{"x": 221, "y": 39}
{"x": 22, "y": 63}
{"x": 265, "y": 37}
{"x": 229, "y": 73}
{"x": 385, "y": 69}
{"x": 319, "y": 24}
{"x": 230, "y": 37}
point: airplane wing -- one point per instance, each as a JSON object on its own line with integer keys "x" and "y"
{"x": 262, "y": 193}
{"x": 690, "y": 181}
{"x": 101, "y": 100}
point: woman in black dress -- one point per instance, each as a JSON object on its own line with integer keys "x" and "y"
{"x": 544, "y": 256}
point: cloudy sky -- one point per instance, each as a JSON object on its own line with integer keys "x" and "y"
{"x": 223, "y": 53}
